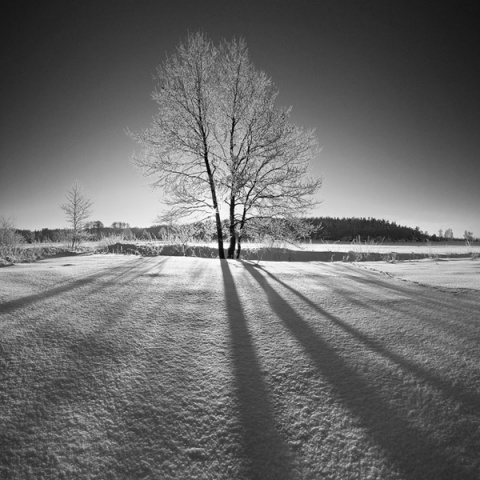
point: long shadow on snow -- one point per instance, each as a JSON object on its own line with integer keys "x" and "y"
{"x": 94, "y": 348}
{"x": 456, "y": 391}
{"x": 462, "y": 323}
{"x": 12, "y": 305}
{"x": 406, "y": 287}
{"x": 418, "y": 456}
{"x": 88, "y": 370}
{"x": 465, "y": 313}
{"x": 126, "y": 275}
{"x": 267, "y": 454}
{"x": 466, "y": 332}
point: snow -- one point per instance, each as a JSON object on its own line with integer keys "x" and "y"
{"x": 117, "y": 366}
{"x": 454, "y": 274}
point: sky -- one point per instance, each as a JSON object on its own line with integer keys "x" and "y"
{"x": 392, "y": 89}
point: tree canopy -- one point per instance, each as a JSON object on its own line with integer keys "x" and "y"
{"x": 219, "y": 145}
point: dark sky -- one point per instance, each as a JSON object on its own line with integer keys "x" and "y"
{"x": 391, "y": 87}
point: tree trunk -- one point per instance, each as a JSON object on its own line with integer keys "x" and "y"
{"x": 233, "y": 241}
{"x": 239, "y": 247}
{"x": 232, "y": 245}
{"x": 221, "y": 251}
{"x": 240, "y": 235}
{"x": 233, "y": 237}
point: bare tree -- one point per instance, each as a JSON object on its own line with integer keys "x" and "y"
{"x": 177, "y": 148}
{"x": 468, "y": 236}
{"x": 120, "y": 225}
{"x": 10, "y": 240}
{"x": 77, "y": 208}
{"x": 219, "y": 139}
{"x": 267, "y": 157}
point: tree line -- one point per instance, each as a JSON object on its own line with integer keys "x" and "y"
{"x": 196, "y": 231}
{"x": 327, "y": 229}
{"x": 350, "y": 228}
{"x": 347, "y": 229}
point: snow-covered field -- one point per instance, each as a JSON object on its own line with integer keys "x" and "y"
{"x": 454, "y": 275}
{"x": 438, "y": 248}
{"x": 123, "y": 367}
{"x": 364, "y": 251}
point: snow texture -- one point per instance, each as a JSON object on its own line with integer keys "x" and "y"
{"x": 122, "y": 367}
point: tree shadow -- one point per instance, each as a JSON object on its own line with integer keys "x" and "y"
{"x": 82, "y": 368}
{"x": 266, "y": 452}
{"x": 461, "y": 323}
{"x": 93, "y": 347}
{"x": 456, "y": 392}
{"x": 417, "y": 455}
{"x": 404, "y": 287}
{"x": 464, "y": 330}
{"x": 120, "y": 272}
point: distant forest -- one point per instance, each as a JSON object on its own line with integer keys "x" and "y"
{"x": 328, "y": 229}
{"x": 348, "y": 229}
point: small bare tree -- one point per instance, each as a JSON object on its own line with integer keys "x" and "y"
{"x": 448, "y": 235}
{"x": 77, "y": 209}
{"x": 183, "y": 234}
{"x": 10, "y": 240}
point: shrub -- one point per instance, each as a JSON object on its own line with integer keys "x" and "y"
{"x": 11, "y": 241}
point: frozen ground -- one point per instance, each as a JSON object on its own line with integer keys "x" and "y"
{"x": 122, "y": 367}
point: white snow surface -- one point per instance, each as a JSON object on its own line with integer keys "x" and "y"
{"x": 181, "y": 367}
{"x": 454, "y": 274}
